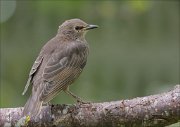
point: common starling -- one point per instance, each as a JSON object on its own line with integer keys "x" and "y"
{"x": 58, "y": 65}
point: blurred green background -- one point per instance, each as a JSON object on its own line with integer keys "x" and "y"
{"x": 135, "y": 52}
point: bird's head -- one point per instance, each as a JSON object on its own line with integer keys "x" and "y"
{"x": 75, "y": 28}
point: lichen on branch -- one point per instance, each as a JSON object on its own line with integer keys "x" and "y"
{"x": 155, "y": 110}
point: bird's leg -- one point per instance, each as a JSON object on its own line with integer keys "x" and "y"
{"x": 79, "y": 100}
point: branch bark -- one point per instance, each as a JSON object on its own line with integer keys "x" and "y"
{"x": 155, "y": 110}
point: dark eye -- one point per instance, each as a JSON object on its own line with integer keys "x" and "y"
{"x": 79, "y": 27}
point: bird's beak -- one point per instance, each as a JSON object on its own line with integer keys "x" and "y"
{"x": 88, "y": 27}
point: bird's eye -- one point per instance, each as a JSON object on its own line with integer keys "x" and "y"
{"x": 79, "y": 27}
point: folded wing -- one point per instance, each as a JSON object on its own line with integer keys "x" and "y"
{"x": 62, "y": 69}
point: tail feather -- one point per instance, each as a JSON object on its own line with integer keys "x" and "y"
{"x": 32, "y": 106}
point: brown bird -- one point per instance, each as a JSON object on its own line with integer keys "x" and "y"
{"x": 58, "y": 65}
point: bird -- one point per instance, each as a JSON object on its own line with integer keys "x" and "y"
{"x": 59, "y": 63}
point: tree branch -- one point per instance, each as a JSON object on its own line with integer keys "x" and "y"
{"x": 156, "y": 110}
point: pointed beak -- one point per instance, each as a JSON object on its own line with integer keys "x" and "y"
{"x": 88, "y": 27}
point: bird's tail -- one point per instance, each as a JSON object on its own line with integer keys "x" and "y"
{"x": 32, "y": 106}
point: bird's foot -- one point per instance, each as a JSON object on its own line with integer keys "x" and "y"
{"x": 47, "y": 104}
{"x": 83, "y": 104}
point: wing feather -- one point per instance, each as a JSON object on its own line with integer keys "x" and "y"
{"x": 62, "y": 69}
{"x": 34, "y": 69}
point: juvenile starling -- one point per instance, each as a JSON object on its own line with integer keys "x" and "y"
{"x": 58, "y": 65}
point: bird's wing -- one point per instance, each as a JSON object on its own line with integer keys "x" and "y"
{"x": 62, "y": 68}
{"x": 34, "y": 69}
